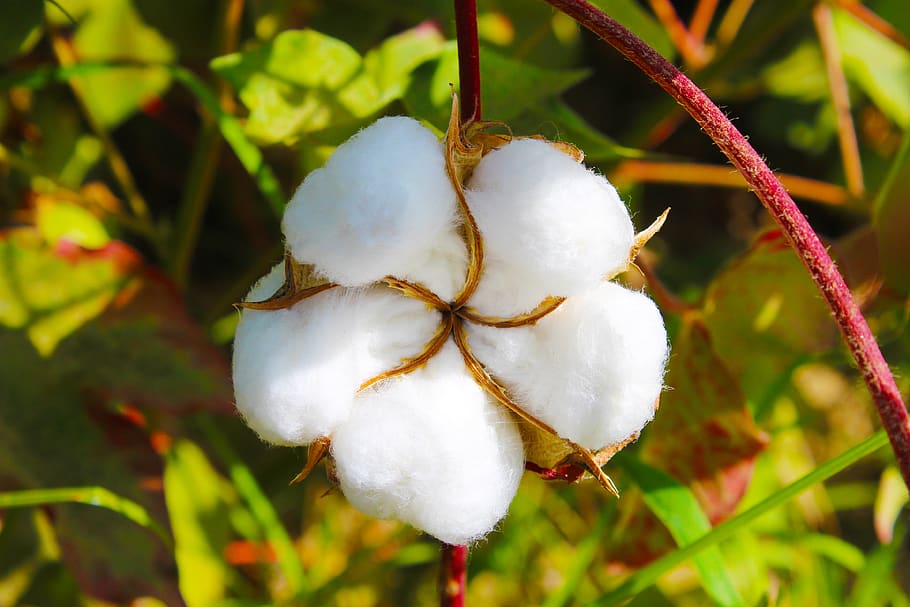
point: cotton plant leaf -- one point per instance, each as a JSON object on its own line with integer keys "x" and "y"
{"x": 891, "y": 222}
{"x": 114, "y": 31}
{"x": 703, "y": 436}
{"x": 510, "y": 86}
{"x": 764, "y": 314}
{"x": 879, "y": 66}
{"x": 91, "y": 329}
{"x": 305, "y": 82}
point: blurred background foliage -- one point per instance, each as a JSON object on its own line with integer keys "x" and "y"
{"x": 146, "y": 151}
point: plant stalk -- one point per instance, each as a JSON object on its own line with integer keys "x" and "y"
{"x": 453, "y": 575}
{"x": 468, "y": 59}
{"x": 774, "y": 196}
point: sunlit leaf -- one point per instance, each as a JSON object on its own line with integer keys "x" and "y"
{"x": 305, "y": 81}
{"x": 58, "y": 220}
{"x": 765, "y": 314}
{"x": 878, "y": 65}
{"x": 199, "y": 518}
{"x": 113, "y": 30}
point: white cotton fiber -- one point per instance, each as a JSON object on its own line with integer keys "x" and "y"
{"x": 592, "y": 369}
{"x": 382, "y": 205}
{"x": 432, "y": 450}
{"x": 296, "y": 371}
{"x": 549, "y": 225}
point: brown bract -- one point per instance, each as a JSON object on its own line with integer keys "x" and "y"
{"x": 547, "y": 453}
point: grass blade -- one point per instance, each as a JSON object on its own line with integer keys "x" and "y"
{"x": 679, "y": 511}
{"x": 647, "y": 576}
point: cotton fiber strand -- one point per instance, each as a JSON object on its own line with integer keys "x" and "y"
{"x": 549, "y": 225}
{"x": 593, "y": 369}
{"x": 432, "y": 450}
{"x": 382, "y": 201}
{"x": 297, "y": 370}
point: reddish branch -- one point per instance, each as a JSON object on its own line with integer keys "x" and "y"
{"x": 453, "y": 575}
{"x": 468, "y": 59}
{"x": 453, "y": 572}
{"x": 774, "y": 196}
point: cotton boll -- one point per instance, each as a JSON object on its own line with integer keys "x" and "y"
{"x": 381, "y": 201}
{"x": 547, "y": 218}
{"x": 296, "y": 371}
{"x": 592, "y": 369}
{"x": 432, "y": 450}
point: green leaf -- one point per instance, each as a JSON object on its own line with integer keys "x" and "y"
{"x": 646, "y": 576}
{"x": 248, "y": 154}
{"x": 113, "y": 30}
{"x": 21, "y": 18}
{"x": 509, "y": 87}
{"x": 305, "y": 81}
{"x": 60, "y": 220}
{"x": 765, "y": 315}
{"x": 800, "y": 75}
{"x": 679, "y": 511}
{"x": 877, "y": 65}
{"x": 703, "y": 435}
{"x": 892, "y": 221}
{"x": 199, "y": 518}
{"x": 633, "y": 16}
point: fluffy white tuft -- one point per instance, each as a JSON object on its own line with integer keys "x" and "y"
{"x": 592, "y": 369}
{"x": 432, "y": 450}
{"x": 296, "y": 371}
{"x": 382, "y": 205}
{"x": 550, "y": 226}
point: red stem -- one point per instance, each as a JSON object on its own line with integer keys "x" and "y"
{"x": 769, "y": 190}
{"x": 453, "y": 575}
{"x": 468, "y": 59}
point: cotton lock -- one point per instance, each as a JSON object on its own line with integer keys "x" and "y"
{"x": 438, "y": 300}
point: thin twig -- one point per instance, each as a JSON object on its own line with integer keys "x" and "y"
{"x": 840, "y": 96}
{"x": 732, "y": 21}
{"x": 66, "y": 56}
{"x": 646, "y": 171}
{"x": 803, "y": 239}
{"x": 468, "y": 59}
{"x": 691, "y": 51}
{"x": 453, "y": 575}
{"x": 870, "y": 18}
{"x": 701, "y": 19}
{"x": 204, "y": 164}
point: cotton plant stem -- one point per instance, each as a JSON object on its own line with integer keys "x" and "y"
{"x": 468, "y": 59}
{"x": 453, "y": 575}
{"x": 840, "y": 96}
{"x": 774, "y": 196}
